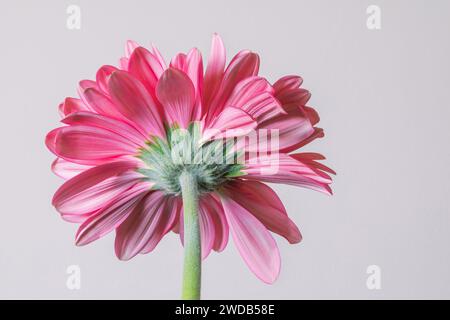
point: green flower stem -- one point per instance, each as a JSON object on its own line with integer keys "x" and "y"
{"x": 192, "y": 246}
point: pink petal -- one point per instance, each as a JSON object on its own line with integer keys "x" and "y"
{"x": 50, "y": 140}
{"x": 255, "y": 244}
{"x": 231, "y": 122}
{"x": 130, "y": 46}
{"x": 123, "y": 63}
{"x": 110, "y": 217}
{"x": 173, "y": 210}
{"x": 283, "y": 162}
{"x": 255, "y": 96}
{"x": 86, "y": 84}
{"x": 194, "y": 69}
{"x": 311, "y": 160}
{"x": 145, "y": 67}
{"x": 93, "y": 188}
{"x": 263, "y": 107}
{"x": 176, "y": 228}
{"x": 287, "y": 91}
{"x": 214, "y": 69}
{"x": 176, "y": 93}
{"x": 309, "y": 155}
{"x": 282, "y": 168}
{"x": 71, "y": 105}
{"x": 248, "y": 89}
{"x": 145, "y": 226}
{"x": 192, "y": 65}
{"x": 66, "y": 169}
{"x": 294, "y": 127}
{"x": 100, "y": 103}
{"x": 298, "y": 97}
{"x": 213, "y": 225}
{"x": 102, "y": 77}
{"x": 97, "y": 197}
{"x": 264, "y": 204}
{"x": 159, "y": 57}
{"x": 210, "y": 206}
{"x": 91, "y": 144}
{"x": 312, "y": 115}
{"x": 317, "y": 133}
{"x": 179, "y": 61}
{"x": 242, "y": 66}
{"x": 119, "y": 127}
{"x": 207, "y": 231}
{"x": 77, "y": 218}
{"x": 287, "y": 83}
{"x": 135, "y": 103}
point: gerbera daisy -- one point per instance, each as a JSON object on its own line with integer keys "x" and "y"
{"x": 148, "y": 148}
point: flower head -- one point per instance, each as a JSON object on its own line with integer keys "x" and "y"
{"x": 132, "y": 133}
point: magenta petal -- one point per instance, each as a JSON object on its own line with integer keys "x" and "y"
{"x": 91, "y": 144}
{"x": 312, "y": 115}
{"x": 85, "y": 84}
{"x": 130, "y": 46}
{"x": 311, "y": 160}
{"x": 287, "y": 91}
{"x": 194, "y": 69}
{"x": 282, "y": 162}
{"x": 294, "y": 128}
{"x": 317, "y": 133}
{"x": 172, "y": 213}
{"x": 255, "y": 96}
{"x": 231, "y": 122}
{"x": 176, "y": 93}
{"x": 66, "y": 169}
{"x": 207, "y": 230}
{"x": 211, "y": 207}
{"x": 158, "y": 57}
{"x": 111, "y": 216}
{"x": 247, "y": 89}
{"x": 145, "y": 226}
{"x": 192, "y": 65}
{"x": 50, "y": 140}
{"x": 71, "y": 105}
{"x": 264, "y": 204}
{"x": 287, "y": 83}
{"x": 135, "y": 103}
{"x": 123, "y": 63}
{"x": 119, "y": 127}
{"x": 146, "y": 67}
{"x": 244, "y": 65}
{"x": 89, "y": 190}
{"x": 102, "y": 77}
{"x": 179, "y": 62}
{"x": 214, "y": 69}
{"x": 213, "y": 225}
{"x": 282, "y": 168}
{"x": 255, "y": 244}
{"x": 100, "y": 103}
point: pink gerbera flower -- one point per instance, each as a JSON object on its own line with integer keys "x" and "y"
{"x": 146, "y": 150}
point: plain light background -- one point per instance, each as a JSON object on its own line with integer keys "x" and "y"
{"x": 383, "y": 96}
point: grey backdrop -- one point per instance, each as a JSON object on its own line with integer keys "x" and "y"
{"x": 383, "y": 96}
